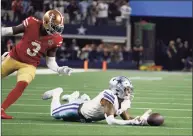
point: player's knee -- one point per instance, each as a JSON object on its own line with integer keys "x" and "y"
{"x": 59, "y": 89}
{"x": 25, "y": 78}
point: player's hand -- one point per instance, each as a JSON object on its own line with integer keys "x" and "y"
{"x": 4, "y": 56}
{"x": 65, "y": 70}
{"x": 135, "y": 121}
{"x": 139, "y": 121}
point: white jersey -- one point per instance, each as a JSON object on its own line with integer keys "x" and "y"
{"x": 93, "y": 110}
{"x": 125, "y": 11}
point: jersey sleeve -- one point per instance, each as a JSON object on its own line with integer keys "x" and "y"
{"x": 126, "y": 104}
{"x": 109, "y": 96}
{"x": 58, "y": 41}
{"x": 28, "y": 22}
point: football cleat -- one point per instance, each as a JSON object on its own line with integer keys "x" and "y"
{"x": 74, "y": 96}
{"x": 65, "y": 97}
{"x": 85, "y": 97}
{"x": 4, "y": 115}
{"x": 48, "y": 94}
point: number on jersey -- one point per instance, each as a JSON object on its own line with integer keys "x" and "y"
{"x": 35, "y": 50}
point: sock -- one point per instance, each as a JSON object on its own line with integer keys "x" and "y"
{"x": 55, "y": 101}
{"x": 14, "y": 94}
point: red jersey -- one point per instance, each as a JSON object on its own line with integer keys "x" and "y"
{"x": 31, "y": 47}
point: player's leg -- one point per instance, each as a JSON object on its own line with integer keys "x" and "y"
{"x": 7, "y": 66}
{"x": 25, "y": 75}
{"x": 71, "y": 97}
{"x": 55, "y": 95}
{"x": 67, "y": 112}
{"x": 75, "y": 96}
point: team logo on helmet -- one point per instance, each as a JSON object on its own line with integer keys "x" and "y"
{"x": 53, "y": 22}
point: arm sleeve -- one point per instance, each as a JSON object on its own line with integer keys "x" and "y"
{"x": 51, "y": 63}
{"x": 6, "y": 31}
{"x": 29, "y": 21}
{"x": 111, "y": 121}
{"x": 107, "y": 95}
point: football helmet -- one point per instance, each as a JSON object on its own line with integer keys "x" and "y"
{"x": 53, "y": 22}
{"x": 122, "y": 87}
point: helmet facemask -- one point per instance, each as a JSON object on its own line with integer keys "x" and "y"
{"x": 122, "y": 87}
{"x": 53, "y": 28}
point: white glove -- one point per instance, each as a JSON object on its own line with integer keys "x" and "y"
{"x": 65, "y": 70}
{"x": 144, "y": 117}
{"x": 135, "y": 121}
{"x": 4, "y": 56}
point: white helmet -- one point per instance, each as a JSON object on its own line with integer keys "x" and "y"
{"x": 122, "y": 87}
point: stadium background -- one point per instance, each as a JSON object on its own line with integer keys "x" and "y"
{"x": 155, "y": 25}
{"x": 152, "y": 25}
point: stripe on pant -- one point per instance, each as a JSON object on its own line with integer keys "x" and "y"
{"x": 66, "y": 105}
{"x": 74, "y": 108}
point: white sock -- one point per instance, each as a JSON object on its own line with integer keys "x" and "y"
{"x": 55, "y": 100}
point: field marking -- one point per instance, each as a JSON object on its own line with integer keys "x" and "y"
{"x": 34, "y": 105}
{"x": 156, "y": 103}
{"x": 95, "y": 88}
{"x": 39, "y": 113}
{"x": 139, "y": 91}
{"x": 162, "y": 103}
{"x": 165, "y": 98}
{"x": 50, "y": 72}
{"x": 92, "y": 125}
{"x": 136, "y": 94}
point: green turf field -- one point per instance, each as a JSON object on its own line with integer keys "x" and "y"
{"x": 167, "y": 93}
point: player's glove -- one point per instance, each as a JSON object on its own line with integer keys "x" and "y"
{"x": 135, "y": 121}
{"x": 144, "y": 117}
{"x": 65, "y": 70}
{"x": 4, "y": 56}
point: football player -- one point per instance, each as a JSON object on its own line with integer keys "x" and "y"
{"x": 39, "y": 38}
{"x": 106, "y": 105}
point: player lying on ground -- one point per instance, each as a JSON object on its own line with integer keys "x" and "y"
{"x": 106, "y": 105}
{"x": 40, "y": 38}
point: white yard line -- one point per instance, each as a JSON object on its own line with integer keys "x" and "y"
{"x": 164, "y": 103}
{"x": 35, "y": 105}
{"x": 160, "y": 98}
{"x": 174, "y": 94}
{"x": 48, "y": 71}
{"x": 39, "y": 113}
{"x": 141, "y": 102}
{"x": 92, "y": 125}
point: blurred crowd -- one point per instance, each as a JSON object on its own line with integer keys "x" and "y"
{"x": 94, "y": 52}
{"x": 177, "y": 55}
{"x": 92, "y": 12}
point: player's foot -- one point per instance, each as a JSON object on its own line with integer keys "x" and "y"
{"x": 48, "y": 94}
{"x": 85, "y": 97}
{"x": 72, "y": 97}
{"x": 65, "y": 97}
{"x": 4, "y": 115}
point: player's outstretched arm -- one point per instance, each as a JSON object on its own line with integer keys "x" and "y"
{"x": 6, "y": 31}
{"x": 125, "y": 116}
{"x": 51, "y": 63}
{"x": 109, "y": 115}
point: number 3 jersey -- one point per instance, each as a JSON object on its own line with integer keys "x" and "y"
{"x": 93, "y": 110}
{"x": 32, "y": 46}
